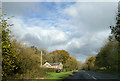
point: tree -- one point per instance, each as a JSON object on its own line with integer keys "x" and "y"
{"x": 9, "y": 52}
{"x": 115, "y": 31}
{"x": 28, "y": 59}
{"x": 108, "y": 56}
{"x": 59, "y": 56}
{"x": 71, "y": 64}
{"x": 35, "y": 49}
{"x": 90, "y": 63}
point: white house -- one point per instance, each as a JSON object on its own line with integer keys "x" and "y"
{"x": 53, "y": 65}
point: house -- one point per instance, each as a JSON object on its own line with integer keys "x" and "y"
{"x": 53, "y": 65}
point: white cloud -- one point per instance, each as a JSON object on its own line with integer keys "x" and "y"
{"x": 42, "y": 36}
{"x": 72, "y": 11}
{"x": 92, "y": 17}
{"x": 83, "y": 33}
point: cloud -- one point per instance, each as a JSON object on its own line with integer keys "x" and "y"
{"x": 90, "y": 26}
{"x": 54, "y": 38}
{"x": 79, "y": 28}
{"x": 92, "y": 16}
{"x": 38, "y": 36}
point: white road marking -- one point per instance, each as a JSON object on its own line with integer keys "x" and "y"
{"x": 94, "y": 77}
{"x": 89, "y": 74}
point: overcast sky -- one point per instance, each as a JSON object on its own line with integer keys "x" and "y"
{"x": 81, "y": 28}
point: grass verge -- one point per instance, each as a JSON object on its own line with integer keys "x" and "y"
{"x": 59, "y": 75}
{"x": 109, "y": 72}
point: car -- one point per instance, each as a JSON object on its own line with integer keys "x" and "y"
{"x": 58, "y": 71}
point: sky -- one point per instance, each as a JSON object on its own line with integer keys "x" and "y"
{"x": 81, "y": 28}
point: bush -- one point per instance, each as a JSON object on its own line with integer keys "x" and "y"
{"x": 50, "y": 69}
{"x": 29, "y": 63}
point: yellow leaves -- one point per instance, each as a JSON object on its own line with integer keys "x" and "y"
{"x": 6, "y": 53}
{"x": 9, "y": 45}
{"x": 3, "y": 25}
{"x": 16, "y": 68}
{"x": 3, "y": 73}
{"x": 13, "y": 66}
{"x": 10, "y": 17}
{"x": 1, "y": 15}
{"x": 9, "y": 51}
{"x": 1, "y": 8}
{"x": 9, "y": 64}
{"x": 12, "y": 62}
{"x": 14, "y": 55}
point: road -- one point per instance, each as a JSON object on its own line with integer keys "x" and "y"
{"x": 91, "y": 76}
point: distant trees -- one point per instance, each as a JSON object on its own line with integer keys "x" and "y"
{"x": 106, "y": 60}
{"x": 35, "y": 49}
{"x": 89, "y": 64}
{"x": 108, "y": 56}
{"x": 59, "y": 56}
{"x": 64, "y": 57}
{"x": 71, "y": 64}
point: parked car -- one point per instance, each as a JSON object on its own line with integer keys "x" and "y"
{"x": 58, "y": 71}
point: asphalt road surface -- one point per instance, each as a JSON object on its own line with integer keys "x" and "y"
{"x": 91, "y": 76}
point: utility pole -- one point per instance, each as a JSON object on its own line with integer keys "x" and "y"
{"x": 41, "y": 58}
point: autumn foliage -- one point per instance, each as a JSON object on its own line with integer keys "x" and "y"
{"x": 57, "y": 56}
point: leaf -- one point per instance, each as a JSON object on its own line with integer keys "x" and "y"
{"x": 1, "y": 8}
{"x": 1, "y": 15}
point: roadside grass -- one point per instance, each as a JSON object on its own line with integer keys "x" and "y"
{"x": 110, "y": 72}
{"x": 61, "y": 75}
{"x": 75, "y": 70}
